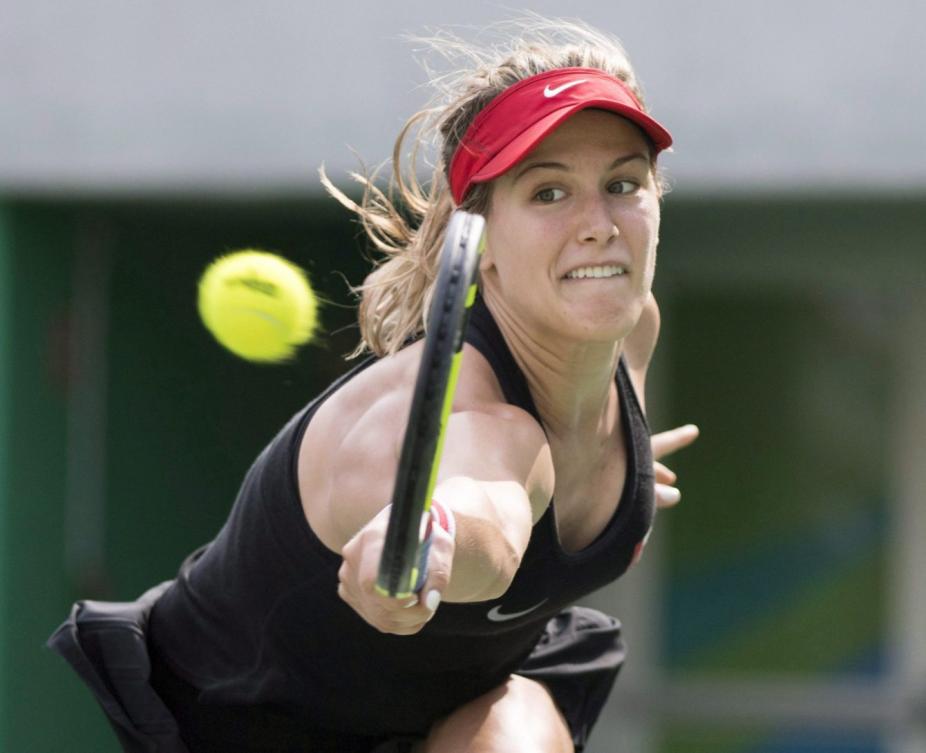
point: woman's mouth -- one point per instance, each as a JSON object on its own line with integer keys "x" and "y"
{"x": 598, "y": 272}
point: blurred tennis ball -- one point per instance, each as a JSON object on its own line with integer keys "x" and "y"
{"x": 258, "y": 305}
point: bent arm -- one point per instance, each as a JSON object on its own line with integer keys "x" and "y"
{"x": 640, "y": 344}
{"x": 638, "y": 350}
{"x": 496, "y": 475}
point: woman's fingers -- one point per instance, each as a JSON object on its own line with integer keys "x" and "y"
{"x": 664, "y": 475}
{"x": 667, "y": 442}
{"x": 357, "y": 581}
{"x": 667, "y": 496}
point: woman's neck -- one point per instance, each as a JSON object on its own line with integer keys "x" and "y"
{"x": 571, "y": 382}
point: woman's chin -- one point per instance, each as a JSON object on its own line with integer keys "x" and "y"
{"x": 605, "y": 322}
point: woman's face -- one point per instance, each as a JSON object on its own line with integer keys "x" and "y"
{"x": 573, "y": 229}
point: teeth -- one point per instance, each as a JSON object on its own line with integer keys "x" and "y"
{"x": 611, "y": 270}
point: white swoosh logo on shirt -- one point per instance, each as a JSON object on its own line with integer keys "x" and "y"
{"x": 548, "y": 92}
{"x": 496, "y": 615}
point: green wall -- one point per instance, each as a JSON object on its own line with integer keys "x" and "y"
{"x": 779, "y": 341}
{"x": 6, "y": 325}
{"x": 37, "y": 700}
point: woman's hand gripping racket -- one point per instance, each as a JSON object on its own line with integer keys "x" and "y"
{"x": 403, "y": 565}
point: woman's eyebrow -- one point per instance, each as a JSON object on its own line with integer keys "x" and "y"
{"x": 629, "y": 158}
{"x": 533, "y": 165}
{"x": 566, "y": 168}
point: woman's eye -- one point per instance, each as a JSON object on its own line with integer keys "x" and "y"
{"x": 623, "y": 186}
{"x": 547, "y": 195}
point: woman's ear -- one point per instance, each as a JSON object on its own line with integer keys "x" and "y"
{"x": 487, "y": 260}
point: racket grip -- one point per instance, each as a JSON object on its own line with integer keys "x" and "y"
{"x": 439, "y": 515}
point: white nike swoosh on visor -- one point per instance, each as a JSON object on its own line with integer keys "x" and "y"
{"x": 495, "y": 613}
{"x": 548, "y": 92}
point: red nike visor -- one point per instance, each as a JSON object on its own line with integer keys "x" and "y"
{"x": 519, "y": 118}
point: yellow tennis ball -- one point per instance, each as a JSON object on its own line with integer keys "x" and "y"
{"x": 258, "y": 305}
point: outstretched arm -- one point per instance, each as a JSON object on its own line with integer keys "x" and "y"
{"x": 495, "y": 476}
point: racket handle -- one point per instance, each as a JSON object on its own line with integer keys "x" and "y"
{"x": 438, "y": 515}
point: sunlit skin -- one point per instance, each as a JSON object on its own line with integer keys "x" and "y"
{"x": 586, "y": 196}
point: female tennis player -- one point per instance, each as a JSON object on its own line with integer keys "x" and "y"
{"x": 273, "y": 637}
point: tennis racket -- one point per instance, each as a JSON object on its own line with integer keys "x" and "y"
{"x": 403, "y": 564}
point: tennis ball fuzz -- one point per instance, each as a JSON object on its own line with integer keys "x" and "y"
{"x": 258, "y": 305}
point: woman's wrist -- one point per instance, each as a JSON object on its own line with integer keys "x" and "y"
{"x": 443, "y": 516}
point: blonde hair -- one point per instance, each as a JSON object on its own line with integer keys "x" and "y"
{"x": 406, "y": 222}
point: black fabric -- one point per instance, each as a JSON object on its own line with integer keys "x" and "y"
{"x": 244, "y": 729}
{"x": 578, "y": 658}
{"x": 105, "y": 644}
{"x": 254, "y": 621}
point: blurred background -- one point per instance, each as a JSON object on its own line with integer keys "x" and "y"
{"x": 781, "y": 608}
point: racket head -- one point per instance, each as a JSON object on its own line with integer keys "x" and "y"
{"x": 419, "y": 460}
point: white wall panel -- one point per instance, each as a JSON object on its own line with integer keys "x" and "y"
{"x": 233, "y": 96}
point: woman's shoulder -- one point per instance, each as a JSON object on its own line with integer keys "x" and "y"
{"x": 351, "y": 445}
{"x": 378, "y": 398}
{"x": 387, "y": 378}
{"x": 372, "y": 401}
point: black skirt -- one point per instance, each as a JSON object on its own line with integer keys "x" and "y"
{"x": 154, "y": 711}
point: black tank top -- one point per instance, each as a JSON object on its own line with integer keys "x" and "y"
{"x": 255, "y": 619}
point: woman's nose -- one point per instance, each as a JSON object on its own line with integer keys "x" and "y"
{"x": 597, "y": 224}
